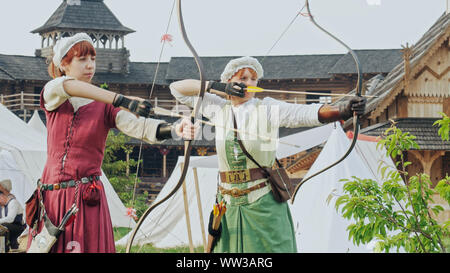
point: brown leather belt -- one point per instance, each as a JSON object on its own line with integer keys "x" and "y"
{"x": 242, "y": 176}
{"x": 235, "y": 192}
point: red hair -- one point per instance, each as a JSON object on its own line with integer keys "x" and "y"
{"x": 80, "y": 49}
{"x": 241, "y": 71}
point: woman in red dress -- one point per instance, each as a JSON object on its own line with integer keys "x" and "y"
{"x": 79, "y": 116}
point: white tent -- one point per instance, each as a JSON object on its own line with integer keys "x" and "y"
{"x": 319, "y": 228}
{"x": 36, "y": 123}
{"x": 166, "y": 226}
{"x": 9, "y": 169}
{"x": 22, "y": 159}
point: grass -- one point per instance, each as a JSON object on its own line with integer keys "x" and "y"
{"x": 149, "y": 248}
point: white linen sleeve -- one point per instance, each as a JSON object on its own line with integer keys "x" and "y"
{"x": 133, "y": 126}
{"x": 54, "y": 93}
{"x": 13, "y": 211}
{"x": 292, "y": 115}
{"x": 209, "y": 107}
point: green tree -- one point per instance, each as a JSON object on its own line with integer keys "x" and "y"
{"x": 402, "y": 205}
{"x": 118, "y": 172}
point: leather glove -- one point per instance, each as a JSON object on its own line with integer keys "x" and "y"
{"x": 140, "y": 108}
{"x": 164, "y": 131}
{"x": 355, "y": 104}
{"x": 231, "y": 88}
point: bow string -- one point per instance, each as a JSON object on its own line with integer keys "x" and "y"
{"x": 187, "y": 143}
{"x": 359, "y": 88}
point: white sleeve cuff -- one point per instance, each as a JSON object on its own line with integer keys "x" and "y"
{"x": 54, "y": 93}
{"x": 132, "y": 126}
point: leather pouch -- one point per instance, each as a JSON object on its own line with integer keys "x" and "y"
{"x": 91, "y": 195}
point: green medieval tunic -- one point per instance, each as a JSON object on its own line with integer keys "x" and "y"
{"x": 255, "y": 222}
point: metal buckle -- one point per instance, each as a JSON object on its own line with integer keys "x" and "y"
{"x": 237, "y": 176}
{"x": 235, "y": 192}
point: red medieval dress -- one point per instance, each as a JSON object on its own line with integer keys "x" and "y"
{"x": 75, "y": 148}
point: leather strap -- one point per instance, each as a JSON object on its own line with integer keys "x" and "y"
{"x": 242, "y": 176}
{"x": 245, "y": 150}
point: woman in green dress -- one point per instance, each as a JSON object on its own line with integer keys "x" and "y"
{"x": 254, "y": 221}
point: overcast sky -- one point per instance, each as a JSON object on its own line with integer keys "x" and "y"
{"x": 239, "y": 27}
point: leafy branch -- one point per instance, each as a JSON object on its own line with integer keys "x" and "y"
{"x": 397, "y": 213}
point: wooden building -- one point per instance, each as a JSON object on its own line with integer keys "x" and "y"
{"x": 412, "y": 83}
{"x": 412, "y": 94}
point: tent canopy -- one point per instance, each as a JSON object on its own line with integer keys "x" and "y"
{"x": 36, "y": 123}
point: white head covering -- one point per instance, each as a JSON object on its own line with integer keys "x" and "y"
{"x": 6, "y": 184}
{"x": 65, "y": 44}
{"x": 235, "y": 65}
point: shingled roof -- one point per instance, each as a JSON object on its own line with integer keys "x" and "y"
{"x": 18, "y": 67}
{"x": 440, "y": 30}
{"x": 426, "y": 134}
{"x": 372, "y": 61}
{"x": 4, "y": 75}
{"x": 140, "y": 73}
{"x": 276, "y": 68}
{"x": 319, "y": 66}
{"x": 87, "y": 15}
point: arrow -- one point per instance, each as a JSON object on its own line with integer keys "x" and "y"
{"x": 255, "y": 89}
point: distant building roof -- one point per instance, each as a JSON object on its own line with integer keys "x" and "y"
{"x": 140, "y": 73}
{"x": 426, "y": 134}
{"x": 24, "y": 67}
{"x": 372, "y": 61}
{"x": 4, "y": 75}
{"x": 88, "y": 15}
{"x": 15, "y": 67}
{"x": 276, "y": 68}
{"x": 320, "y": 66}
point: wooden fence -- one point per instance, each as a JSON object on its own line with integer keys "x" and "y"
{"x": 23, "y": 104}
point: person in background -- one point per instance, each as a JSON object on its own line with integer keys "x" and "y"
{"x": 11, "y": 215}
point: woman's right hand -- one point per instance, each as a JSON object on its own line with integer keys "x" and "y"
{"x": 186, "y": 129}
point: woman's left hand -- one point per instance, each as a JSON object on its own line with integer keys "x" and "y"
{"x": 186, "y": 129}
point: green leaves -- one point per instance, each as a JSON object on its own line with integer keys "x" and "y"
{"x": 443, "y": 188}
{"x": 397, "y": 213}
{"x": 444, "y": 125}
{"x": 118, "y": 171}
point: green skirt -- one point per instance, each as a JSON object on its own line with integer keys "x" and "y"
{"x": 264, "y": 226}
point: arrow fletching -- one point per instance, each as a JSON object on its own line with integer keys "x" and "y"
{"x": 254, "y": 89}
